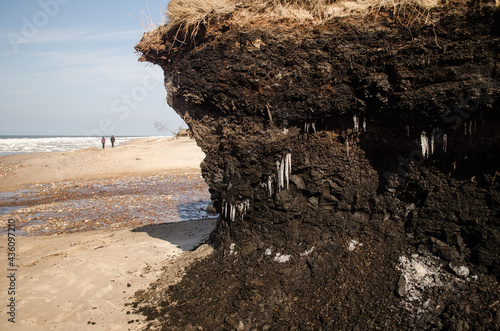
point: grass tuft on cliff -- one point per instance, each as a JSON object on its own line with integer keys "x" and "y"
{"x": 189, "y": 15}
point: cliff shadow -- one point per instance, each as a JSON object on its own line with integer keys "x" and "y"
{"x": 187, "y": 235}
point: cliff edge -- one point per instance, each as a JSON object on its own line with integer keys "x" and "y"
{"x": 353, "y": 157}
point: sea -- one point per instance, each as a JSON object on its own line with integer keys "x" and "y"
{"x": 42, "y": 144}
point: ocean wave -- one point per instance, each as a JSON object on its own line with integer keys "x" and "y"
{"x": 23, "y": 145}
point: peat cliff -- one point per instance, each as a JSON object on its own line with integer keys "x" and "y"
{"x": 355, "y": 166}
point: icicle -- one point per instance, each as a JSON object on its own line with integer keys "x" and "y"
{"x": 283, "y": 169}
{"x": 224, "y": 208}
{"x": 356, "y": 122}
{"x": 445, "y": 142}
{"x": 307, "y": 125}
{"x": 425, "y": 144}
{"x": 432, "y": 143}
{"x": 286, "y": 173}
{"x": 282, "y": 173}
{"x": 270, "y": 185}
{"x": 288, "y": 158}
{"x": 407, "y": 130}
{"x": 364, "y": 124}
{"x": 347, "y": 147}
{"x": 470, "y": 128}
{"x": 475, "y": 126}
{"x": 278, "y": 164}
{"x": 465, "y": 127}
{"x": 313, "y": 125}
{"x": 286, "y": 169}
{"x": 233, "y": 212}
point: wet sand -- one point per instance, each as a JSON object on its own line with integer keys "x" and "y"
{"x": 83, "y": 205}
{"x": 88, "y": 238}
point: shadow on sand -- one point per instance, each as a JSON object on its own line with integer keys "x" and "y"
{"x": 186, "y": 235}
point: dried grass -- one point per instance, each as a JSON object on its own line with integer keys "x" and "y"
{"x": 185, "y": 17}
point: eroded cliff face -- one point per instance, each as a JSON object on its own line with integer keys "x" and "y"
{"x": 361, "y": 130}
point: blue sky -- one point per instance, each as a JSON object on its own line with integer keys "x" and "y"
{"x": 68, "y": 67}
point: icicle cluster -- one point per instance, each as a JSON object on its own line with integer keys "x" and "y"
{"x": 468, "y": 128}
{"x": 310, "y": 126}
{"x": 429, "y": 147}
{"x": 356, "y": 119}
{"x": 229, "y": 210}
{"x": 283, "y": 171}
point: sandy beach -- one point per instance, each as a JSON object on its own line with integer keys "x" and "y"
{"x": 141, "y": 157}
{"x": 96, "y": 227}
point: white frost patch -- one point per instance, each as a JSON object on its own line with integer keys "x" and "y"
{"x": 353, "y": 244}
{"x": 459, "y": 270}
{"x": 307, "y": 252}
{"x": 268, "y": 252}
{"x": 281, "y": 258}
{"x": 231, "y": 249}
{"x": 421, "y": 273}
{"x": 420, "y": 269}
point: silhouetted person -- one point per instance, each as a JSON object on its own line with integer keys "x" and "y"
{"x": 112, "y": 141}
{"x": 103, "y": 142}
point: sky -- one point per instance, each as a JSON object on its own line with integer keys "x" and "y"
{"x": 68, "y": 67}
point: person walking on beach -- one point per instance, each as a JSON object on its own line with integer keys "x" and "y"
{"x": 112, "y": 141}
{"x": 103, "y": 142}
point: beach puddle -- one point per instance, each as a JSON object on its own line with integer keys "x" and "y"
{"x": 102, "y": 204}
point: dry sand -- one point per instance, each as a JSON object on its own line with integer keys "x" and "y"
{"x": 82, "y": 281}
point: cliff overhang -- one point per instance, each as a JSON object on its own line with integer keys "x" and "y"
{"x": 361, "y": 129}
